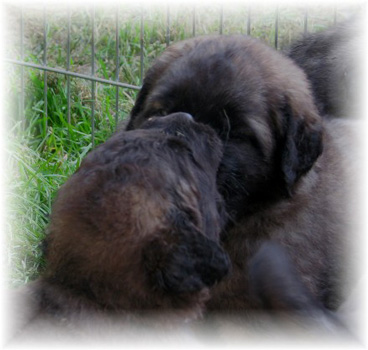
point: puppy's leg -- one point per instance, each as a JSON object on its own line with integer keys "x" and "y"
{"x": 275, "y": 283}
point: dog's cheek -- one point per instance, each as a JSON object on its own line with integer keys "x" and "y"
{"x": 153, "y": 257}
{"x": 214, "y": 264}
{"x": 196, "y": 263}
{"x": 190, "y": 265}
{"x": 180, "y": 274}
{"x": 171, "y": 267}
{"x": 211, "y": 262}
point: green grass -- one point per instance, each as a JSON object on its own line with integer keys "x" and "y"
{"x": 43, "y": 151}
{"x": 39, "y": 160}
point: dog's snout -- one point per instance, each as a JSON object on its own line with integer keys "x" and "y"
{"x": 181, "y": 115}
{"x": 188, "y": 116}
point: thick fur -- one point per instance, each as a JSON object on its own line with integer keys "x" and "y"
{"x": 137, "y": 227}
{"x": 333, "y": 61}
{"x": 284, "y": 171}
{"x": 257, "y": 101}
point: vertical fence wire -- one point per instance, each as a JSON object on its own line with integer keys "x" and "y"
{"x": 45, "y": 64}
{"x": 117, "y": 53}
{"x": 93, "y": 74}
{"x": 276, "y": 27}
{"x": 168, "y": 25}
{"x": 142, "y": 45}
{"x": 249, "y": 21}
{"x": 306, "y": 21}
{"x": 68, "y": 64}
{"x": 93, "y": 92}
{"x": 221, "y": 19}
{"x": 194, "y": 22}
{"x": 21, "y": 102}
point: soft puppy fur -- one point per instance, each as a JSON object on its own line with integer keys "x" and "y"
{"x": 333, "y": 61}
{"x": 136, "y": 229}
{"x": 286, "y": 175}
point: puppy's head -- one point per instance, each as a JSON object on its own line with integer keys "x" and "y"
{"x": 258, "y": 102}
{"x": 137, "y": 226}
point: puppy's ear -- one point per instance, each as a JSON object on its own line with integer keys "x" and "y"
{"x": 139, "y": 103}
{"x": 302, "y": 145}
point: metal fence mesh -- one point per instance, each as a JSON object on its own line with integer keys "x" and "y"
{"x": 250, "y": 20}
{"x": 73, "y": 72}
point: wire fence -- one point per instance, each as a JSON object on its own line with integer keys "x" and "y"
{"x": 116, "y": 81}
{"x": 72, "y": 74}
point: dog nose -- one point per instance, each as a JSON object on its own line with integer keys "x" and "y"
{"x": 187, "y": 115}
{"x": 181, "y": 114}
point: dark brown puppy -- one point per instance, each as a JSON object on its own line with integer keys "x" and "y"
{"x": 137, "y": 227}
{"x": 333, "y": 61}
{"x": 283, "y": 174}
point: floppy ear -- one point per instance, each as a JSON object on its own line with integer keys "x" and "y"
{"x": 139, "y": 104}
{"x": 302, "y": 145}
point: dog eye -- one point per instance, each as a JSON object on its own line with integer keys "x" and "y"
{"x": 161, "y": 112}
{"x": 178, "y": 144}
